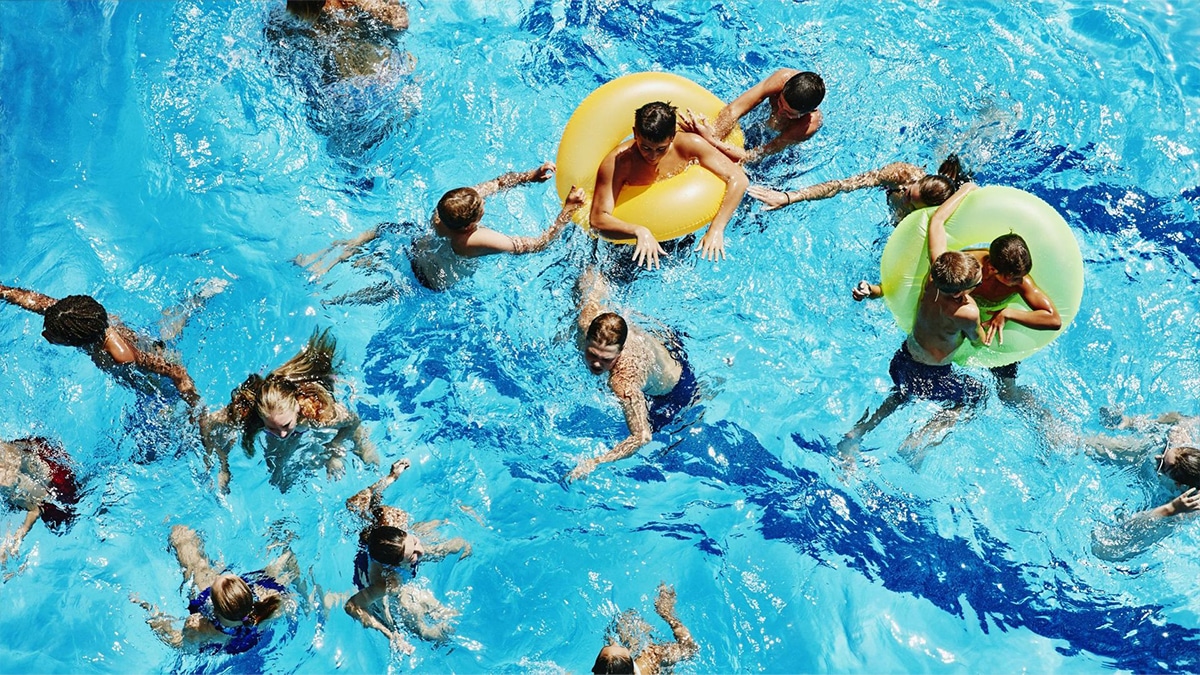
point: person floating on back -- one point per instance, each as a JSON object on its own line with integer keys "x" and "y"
{"x": 793, "y": 97}
{"x": 81, "y": 321}
{"x": 388, "y": 554}
{"x": 630, "y": 631}
{"x": 37, "y": 477}
{"x": 946, "y": 315}
{"x": 907, "y": 186}
{"x": 228, "y": 613}
{"x": 656, "y": 153}
{"x": 639, "y": 367}
{"x": 289, "y": 402}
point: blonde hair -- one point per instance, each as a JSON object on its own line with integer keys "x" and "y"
{"x": 304, "y": 382}
{"x": 234, "y": 600}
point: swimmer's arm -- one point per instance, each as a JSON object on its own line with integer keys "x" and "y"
{"x": 197, "y": 631}
{"x": 1041, "y": 315}
{"x": 514, "y": 178}
{"x": 30, "y": 300}
{"x": 637, "y": 417}
{"x": 358, "y": 606}
{"x": 539, "y": 243}
{"x": 684, "y": 646}
{"x": 484, "y": 241}
{"x": 392, "y": 13}
{"x": 1146, "y": 527}
{"x": 738, "y": 107}
{"x": 591, "y": 289}
{"x": 713, "y": 243}
{"x": 603, "y": 221}
{"x": 937, "y": 224}
{"x": 155, "y": 363}
{"x": 696, "y": 123}
{"x": 162, "y": 624}
{"x": 13, "y": 545}
{"x": 216, "y": 437}
{"x": 896, "y": 173}
{"x": 365, "y": 499}
{"x": 1185, "y": 503}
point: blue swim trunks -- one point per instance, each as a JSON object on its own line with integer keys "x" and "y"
{"x": 665, "y": 407}
{"x": 1008, "y": 372}
{"x": 936, "y": 383}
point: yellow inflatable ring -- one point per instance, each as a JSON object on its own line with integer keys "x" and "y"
{"x": 669, "y": 208}
{"x": 984, "y": 215}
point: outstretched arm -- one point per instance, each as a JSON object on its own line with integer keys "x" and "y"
{"x": 684, "y": 647}
{"x": 155, "y": 363}
{"x": 591, "y": 290}
{"x": 30, "y": 300}
{"x": 647, "y": 250}
{"x": 1145, "y": 528}
{"x": 536, "y": 244}
{"x": 937, "y": 224}
{"x": 896, "y": 173}
{"x": 753, "y": 96}
{"x": 189, "y": 551}
{"x": 162, "y": 624}
{"x": 712, "y": 244}
{"x": 513, "y": 178}
{"x": 365, "y": 500}
{"x": 637, "y": 417}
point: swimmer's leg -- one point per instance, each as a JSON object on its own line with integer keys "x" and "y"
{"x": 915, "y": 447}
{"x": 175, "y": 318}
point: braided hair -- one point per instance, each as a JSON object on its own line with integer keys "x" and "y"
{"x": 76, "y": 321}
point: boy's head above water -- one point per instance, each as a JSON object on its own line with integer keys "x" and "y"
{"x": 460, "y": 208}
{"x": 655, "y": 122}
{"x": 803, "y": 92}
{"x": 75, "y": 321}
{"x": 955, "y": 272}
{"x": 1009, "y": 256}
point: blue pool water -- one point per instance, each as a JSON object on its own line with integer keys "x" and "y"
{"x": 146, "y": 145}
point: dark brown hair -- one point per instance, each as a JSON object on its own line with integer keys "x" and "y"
{"x": 459, "y": 208}
{"x": 76, "y": 320}
{"x": 608, "y": 329}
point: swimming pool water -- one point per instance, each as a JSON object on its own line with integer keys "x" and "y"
{"x": 147, "y": 145}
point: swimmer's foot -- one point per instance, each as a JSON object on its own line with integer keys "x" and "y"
{"x": 175, "y": 318}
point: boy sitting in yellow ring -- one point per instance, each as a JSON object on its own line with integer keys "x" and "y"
{"x": 657, "y": 153}
{"x": 793, "y": 96}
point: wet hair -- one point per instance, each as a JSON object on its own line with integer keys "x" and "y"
{"x": 804, "y": 91}
{"x": 655, "y": 121}
{"x": 305, "y": 381}
{"x": 1010, "y": 255}
{"x": 609, "y": 661}
{"x": 1186, "y": 469}
{"x": 385, "y": 544}
{"x": 954, "y": 271}
{"x": 608, "y": 329}
{"x": 459, "y": 208}
{"x": 234, "y": 600}
{"x": 76, "y": 320}
{"x": 935, "y": 189}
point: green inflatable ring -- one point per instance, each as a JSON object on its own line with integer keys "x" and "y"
{"x": 984, "y": 215}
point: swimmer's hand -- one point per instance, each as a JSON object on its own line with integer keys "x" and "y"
{"x": 771, "y": 199}
{"x": 664, "y": 604}
{"x": 866, "y": 290}
{"x": 993, "y": 328}
{"x": 574, "y": 198}
{"x": 712, "y": 246}
{"x": 543, "y": 172}
{"x": 582, "y": 471}
{"x": 399, "y": 466}
{"x": 647, "y": 250}
{"x": 696, "y": 123}
{"x": 1185, "y": 503}
{"x": 399, "y": 644}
